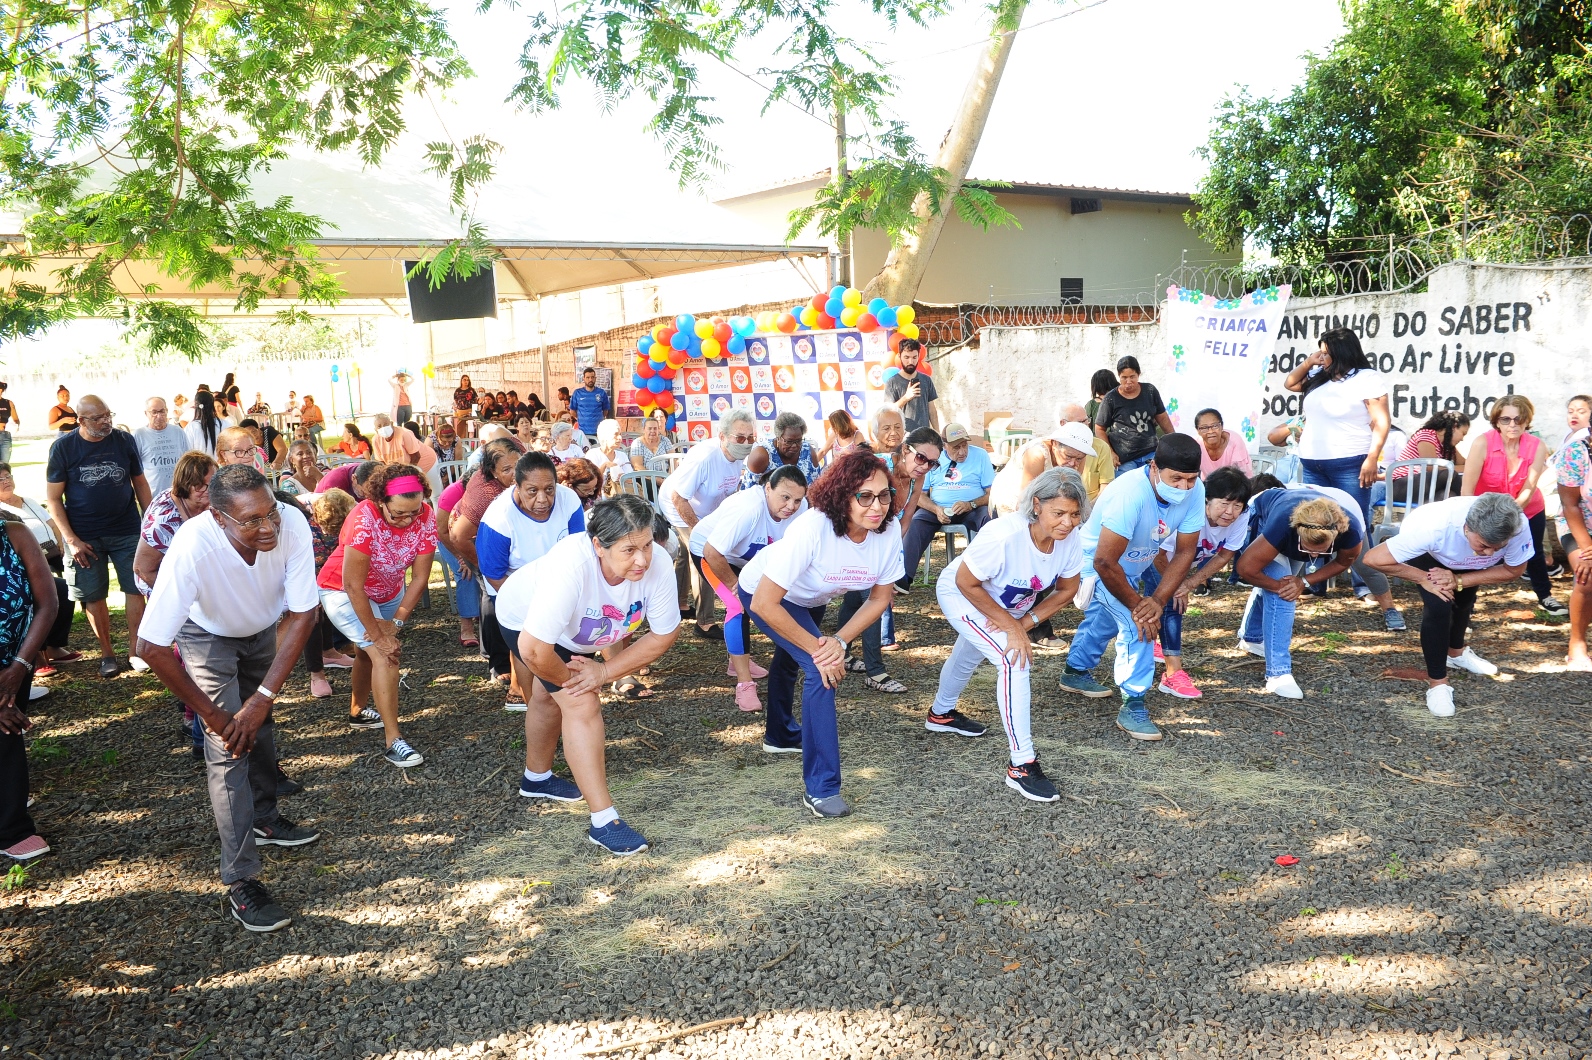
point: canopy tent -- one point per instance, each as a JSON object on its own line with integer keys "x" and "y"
{"x": 555, "y": 232}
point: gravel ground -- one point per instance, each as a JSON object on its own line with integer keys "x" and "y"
{"x": 1441, "y": 905}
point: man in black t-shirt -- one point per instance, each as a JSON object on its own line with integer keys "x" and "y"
{"x": 912, "y": 392}
{"x": 96, "y": 494}
{"x": 8, "y": 418}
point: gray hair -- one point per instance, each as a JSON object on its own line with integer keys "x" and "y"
{"x": 786, "y": 420}
{"x": 884, "y": 410}
{"x": 1495, "y": 518}
{"x": 618, "y": 517}
{"x": 731, "y": 418}
{"x": 1048, "y": 485}
{"x": 560, "y": 429}
{"x": 232, "y": 482}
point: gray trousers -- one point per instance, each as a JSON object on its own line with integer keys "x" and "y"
{"x": 242, "y": 790}
{"x": 684, "y": 569}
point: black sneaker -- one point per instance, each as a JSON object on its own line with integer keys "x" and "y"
{"x": 1203, "y": 590}
{"x": 1030, "y": 782}
{"x": 283, "y": 833}
{"x": 365, "y": 719}
{"x": 252, "y": 907}
{"x": 286, "y": 785}
{"x": 1553, "y": 607}
{"x": 1556, "y": 571}
{"x": 956, "y": 722}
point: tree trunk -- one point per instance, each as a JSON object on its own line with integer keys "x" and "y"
{"x": 898, "y": 281}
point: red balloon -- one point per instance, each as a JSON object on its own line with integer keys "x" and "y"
{"x": 667, "y": 335}
{"x": 667, "y": 373}
{"x": 722, "y": 332}
{"x": 786, "y": 323}
{"x": 825, "y": 321}
{"x": 644, "y": 369}
{"x": 867, "y": 322}
{"x": 666, "y": 400}
{"x": 895, "y": 343}
{"x": 818, "y": 302}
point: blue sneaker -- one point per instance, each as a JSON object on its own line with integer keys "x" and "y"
{"x": 1134, "y": 720}
{"x": 1394, "y": 619}
{"x": 554, "y": 787}
{"x": 1080, "y": 682}
{"x": 618, "y": 838}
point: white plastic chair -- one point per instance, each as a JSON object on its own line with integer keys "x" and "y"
{"x": 1425, "y": 475}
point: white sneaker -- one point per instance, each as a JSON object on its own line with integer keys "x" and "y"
{"x": 38, "y": 692}
{"x": 1469, "y": 660}
{"x": 1254, "y": 647}
{"x": 1440, "y": 701}
{"x": 137, "y": 664}
{"x": 1285, "y": 686}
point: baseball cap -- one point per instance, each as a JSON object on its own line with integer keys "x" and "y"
{"x": 954, "y": 432}
{"x": 1074, "y": 436}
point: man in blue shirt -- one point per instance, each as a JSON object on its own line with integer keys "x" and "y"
{"x": 1128, "y": 525}
{"x": 957, "y": 491}
{"x": 590, "y": 403}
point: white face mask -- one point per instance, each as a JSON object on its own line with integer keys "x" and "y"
{"x": 384, "y": 432}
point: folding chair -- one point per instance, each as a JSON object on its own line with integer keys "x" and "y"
{"x": 1421, "y": 487}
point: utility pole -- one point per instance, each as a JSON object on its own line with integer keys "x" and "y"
{"x": 842, "y": 238}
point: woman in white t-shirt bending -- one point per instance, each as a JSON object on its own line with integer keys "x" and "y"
{"x": 1346, "y": 425}
{"x": 988, "y": 595}
{"x": 849, "y": 539}
{"x": 726, "y": 541}
{"x": 588, "y": 593}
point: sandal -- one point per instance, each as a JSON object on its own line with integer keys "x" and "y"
{"x": 713, "y": 632}
{"x": 884, "y": 683}
{"x": 631, "y": 688}
{"x": 854, "y": 665}
{"x": 469, "y": 643}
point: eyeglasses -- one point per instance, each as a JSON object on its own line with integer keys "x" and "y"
{"x": 742, "y": 439}
{"x": 867, "y": 498}
{"x": 1208, "y": 427}
{"x": 920, "y": 458}
{"x": 399, "y": 518}
{"x": 1511, "y": 419}
{"x": 241, "y": 454}
{"x": 258, "y": 523}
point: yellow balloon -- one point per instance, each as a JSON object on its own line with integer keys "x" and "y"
{"x": 908, "y": 330}
{"x": 810, "y": 316}
{"x": 905, "y": 315}
{"x": 849, "y": 315}
{"x": 711, "y": 348}
{"x": 852, "y": 297}
{"x": 704, "y": 329}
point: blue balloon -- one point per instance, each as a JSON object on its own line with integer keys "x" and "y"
{"x": 834, "y": 307}
{"x": 668, "y": 421}
{"x": 736, "y": 344}
{"x": 685, "y": 323}
{"x": 886, "y": 317}
{"x": 334, "y": 373}
{"x": 745, "y": 327}
{"x": 644, "y": 343}
{"x": 836, "y": 293}
{"x": 891, "y": 373}
{"x": 876, "y": 306}
{"x": 657, "y": 384}
{"x": 682, "y": 340}
{"x": 637, "y": 382}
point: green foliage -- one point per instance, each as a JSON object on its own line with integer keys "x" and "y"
{"x": 16, "y": 878}
{"x": 134, "y": 134}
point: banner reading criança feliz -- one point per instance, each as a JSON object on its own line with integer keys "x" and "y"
{"x": 810, "y": 373}
{"x": 1218, "y": 352}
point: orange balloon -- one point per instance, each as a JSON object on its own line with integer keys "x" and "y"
{"x": 786, "y": 323}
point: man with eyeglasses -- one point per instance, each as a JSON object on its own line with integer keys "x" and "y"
{"x": 694, "y": 490}
{"x": 227, "y": 577}
{"x": 956, "y": 491}
{"x": 160, "y": 445}
{"x": 96, "y": 493}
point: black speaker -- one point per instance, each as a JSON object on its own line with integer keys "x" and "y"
{"x": 455, "y": 299}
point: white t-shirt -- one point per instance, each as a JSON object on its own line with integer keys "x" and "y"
{"x": 1438, "y": 530}
{"x": 1337, "y": 423}
{"x": 1213, "y": 539}
{"x": 160, "y": 450}
{"x": 507, "y": 539}
{"x": 705, "y": 478}
{"x": 196, "y": 436}
{"x": 204, "y": 578}
{"x": 741, "y": 526}
{"x": 1004, "y": 560}
{"x": 815, "y": 564}
{"x": 563, "y": 598}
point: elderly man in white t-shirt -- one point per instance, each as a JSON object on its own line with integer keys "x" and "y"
{"x": 228, "y": 576}
{"x": 705, "y": 478}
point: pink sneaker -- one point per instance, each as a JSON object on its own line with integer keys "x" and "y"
{"x": 320, "y": 687}
{"x": 29, "y": 848}
{"x": 1159, "y": 656}
{"x": 758, "y": 673}
{"x": 1178, "y": 684}
{"x": 746, "y": 697}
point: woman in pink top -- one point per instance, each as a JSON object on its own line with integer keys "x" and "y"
{"x": 1508, "y": 460}
{"x": 1436, "y": 439}
{"x": 1219, "y": 447}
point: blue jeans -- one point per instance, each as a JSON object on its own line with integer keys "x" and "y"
{"x": 818, "y": 734}
{"x": 466, "y": 591}
{"x": 1138, "y": 461}
{"x": 1106, "y": 618}
{"x": 5, "y": 447}
{"x": 1269, "y": 619}
{"x": 1171, "y": 621}
{"x": 873, "y": 636}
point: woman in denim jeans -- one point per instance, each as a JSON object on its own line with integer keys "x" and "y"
{"x": 1345, "y": 426}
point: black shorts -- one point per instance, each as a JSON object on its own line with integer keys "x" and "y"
{"x": 513, "y": 637}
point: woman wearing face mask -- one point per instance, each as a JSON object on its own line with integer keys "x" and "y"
{"x": 1225, "y": 531}
{"x": 725, "y": 542}
{"x": 848, "y": 540}
{"x": 707, "y": 476}
{"x": 521, "y": 526}
{"x": 1316, "y": 527}
{"x": 989, "y": 596}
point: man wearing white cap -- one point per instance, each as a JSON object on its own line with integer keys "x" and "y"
{"x": 957, "y": 491}
{"x": 1069, "y": 445}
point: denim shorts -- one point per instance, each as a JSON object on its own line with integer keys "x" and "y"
{"x": 338, "y": 608}
{"x": 92, "y": 583}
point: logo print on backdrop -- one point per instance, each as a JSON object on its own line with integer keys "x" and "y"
{"x": 757, "y": 351}
{"x": 875, "y": 376}
{"x": 829, "y": 377}
{"x": 765, "y": 406}
{"x": 804, "y": 349}
{"x": 854, "y": 405}
{"x": 739, "y": 380}
{"x": 697, "y": 381}
{"x": 721, "y": 405}
{"x": 783, "y": 379}
{"x": 699, "y": 431}
{"x": 850, "y": 348}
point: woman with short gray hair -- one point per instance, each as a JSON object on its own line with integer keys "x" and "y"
{"x": 1450, "y": 549}
{"x": 989, "y": 596}
{"x": 588, "y": 593}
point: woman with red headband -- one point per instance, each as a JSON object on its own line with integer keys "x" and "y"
{"x": 391, "y": 532}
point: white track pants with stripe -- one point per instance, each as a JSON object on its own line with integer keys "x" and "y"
{"x": 976, "y": 641}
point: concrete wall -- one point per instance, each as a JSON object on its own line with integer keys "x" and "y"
{"x": 1443, "y": 345}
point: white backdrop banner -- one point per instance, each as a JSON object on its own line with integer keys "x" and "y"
{"x": 1218, "y": 351}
